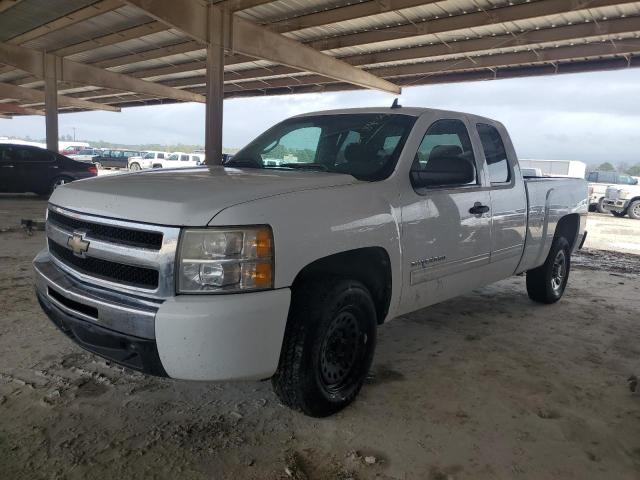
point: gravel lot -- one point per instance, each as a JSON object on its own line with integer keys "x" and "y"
{"x": 484, "y": 386}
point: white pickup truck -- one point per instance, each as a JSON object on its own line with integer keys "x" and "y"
{"x": 250, "y": 271}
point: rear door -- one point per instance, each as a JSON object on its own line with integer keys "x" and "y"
{"x": 446, "y": 225}
{"x": 35, "y": 168}
{"x": 508, "y": 200}
{"x": 8, "y": 170}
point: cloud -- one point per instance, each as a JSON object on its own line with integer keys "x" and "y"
{"x": 592, "y": 117}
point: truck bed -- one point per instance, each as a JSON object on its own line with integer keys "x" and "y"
{"x": 549, "y": 199}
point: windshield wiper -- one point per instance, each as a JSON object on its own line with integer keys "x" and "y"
{"x": 306, "y": 166}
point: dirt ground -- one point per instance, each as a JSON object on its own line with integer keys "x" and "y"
{"x": 489, "y": 385}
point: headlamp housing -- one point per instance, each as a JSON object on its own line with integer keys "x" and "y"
{"x": 225, "y": 260}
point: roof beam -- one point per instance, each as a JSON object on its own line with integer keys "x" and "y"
{"x": 492, "y": 16}
{"x": 37, "y": 96}
{"x": 32, "y": 61}
{"x": 13, "y": 108}
{"x": 255, "y": 41}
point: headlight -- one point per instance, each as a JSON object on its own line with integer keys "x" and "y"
{"x": 622, "y": 194}
{"x": 225, "y": 260}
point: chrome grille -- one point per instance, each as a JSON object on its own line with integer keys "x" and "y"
{"x": 612, "y": 193}
{"x": 121, "y": 255}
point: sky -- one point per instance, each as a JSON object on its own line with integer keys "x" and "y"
{"x": 592, "y": 117}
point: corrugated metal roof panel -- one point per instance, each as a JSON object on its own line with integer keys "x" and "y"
{"x": 30, "y": 14}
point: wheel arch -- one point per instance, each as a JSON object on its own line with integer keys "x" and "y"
{"x": 369, "y": 265}
{"x": 568, "y": 227}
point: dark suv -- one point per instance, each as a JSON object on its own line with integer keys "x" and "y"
{"x": 24, "y": 168}
{"x": 115, "y": 158}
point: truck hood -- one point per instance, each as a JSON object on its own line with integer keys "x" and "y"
{"x": 185, "y": 196}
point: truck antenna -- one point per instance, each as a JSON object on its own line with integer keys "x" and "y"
{"x": 395, "y": 104}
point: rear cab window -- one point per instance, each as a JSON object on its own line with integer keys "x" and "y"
{"x": 495, "y": 154}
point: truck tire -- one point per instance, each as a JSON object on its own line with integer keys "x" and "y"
{"x": 618, "y": 214}
{"x": 634, "y": 210}
{"x": 546, "y": 283}
{"x": 599, "y": 207}
{"x": 328, "y": 346}
{"x": 135, "y": 167}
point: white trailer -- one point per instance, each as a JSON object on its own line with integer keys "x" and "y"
{"x": 557, "y": 168}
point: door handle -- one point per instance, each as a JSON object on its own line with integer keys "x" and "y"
{"x": 8, "y": 166}
{"x": 478, "y": 209}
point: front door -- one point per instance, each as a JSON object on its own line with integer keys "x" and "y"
{"x": 446, "y": 218}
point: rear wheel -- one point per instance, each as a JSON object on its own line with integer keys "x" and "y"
{"x": 599, "y": 206}
{"x": 328, "y": 346}
{"x": 547, "y": 283}
{"x": 135, "y": 167}
{"x": 634, "y": 210}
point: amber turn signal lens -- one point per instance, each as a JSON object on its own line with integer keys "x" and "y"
{"x": 264, "y": 243}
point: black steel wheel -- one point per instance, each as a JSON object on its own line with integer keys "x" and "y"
{"x": 328, "y": 346}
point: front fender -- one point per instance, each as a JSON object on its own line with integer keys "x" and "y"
{"x": 314, "y": 224}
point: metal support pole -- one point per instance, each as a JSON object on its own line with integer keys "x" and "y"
{"x": 215, "y": 88}
{"x": 51, "y": 101}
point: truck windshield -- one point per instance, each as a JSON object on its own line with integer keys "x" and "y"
{"x": 365, "y": 146}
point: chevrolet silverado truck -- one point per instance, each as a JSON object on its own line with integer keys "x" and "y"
{"x": 255, "y": 271}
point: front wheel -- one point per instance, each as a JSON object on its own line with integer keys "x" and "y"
{"x": 134, "y": 167}
{"x": 600, "y": 206}
{"x": 328, "y": 346}
{"x": 547, "y": 283}
{"x": 634, "y": 210}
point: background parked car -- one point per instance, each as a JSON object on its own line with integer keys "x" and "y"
{"x": 85, "y": 155}
{"x": 151, "y": 159}
{"x": 598, "y": 183}
{"x": 181, "y": 159}
{"x": 115, "y": 158}
{"x": 32, "y": 169}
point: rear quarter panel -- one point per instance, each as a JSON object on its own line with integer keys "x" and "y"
{"x": 549, "y": 200}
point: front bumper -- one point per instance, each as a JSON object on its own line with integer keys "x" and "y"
{"x": 192, "y": 337}
{"x": 615, "y": 205}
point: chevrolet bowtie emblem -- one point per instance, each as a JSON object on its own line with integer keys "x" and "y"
{"x": 78, "y": 244}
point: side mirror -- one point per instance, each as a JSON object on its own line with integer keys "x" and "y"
{"x": 442, "y": 172}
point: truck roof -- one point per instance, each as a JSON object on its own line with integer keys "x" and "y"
{"x": 412, "y": 111}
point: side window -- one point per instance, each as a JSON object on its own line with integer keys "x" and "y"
{"x": 627, "y": 179}
{"x": 173, "y": 157}
{"x": 495, "y": 154}
{"x": 32, "y": 155}
{"x": 161, "y": 156}
{"x": 195, "y": 158}
{"x": 607, "y": 177}
{"x": 105, "y": 153}
{"x": 184, "y": 158}
{"x": 116, "y": 153}
{"x": 444, "y": 157}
